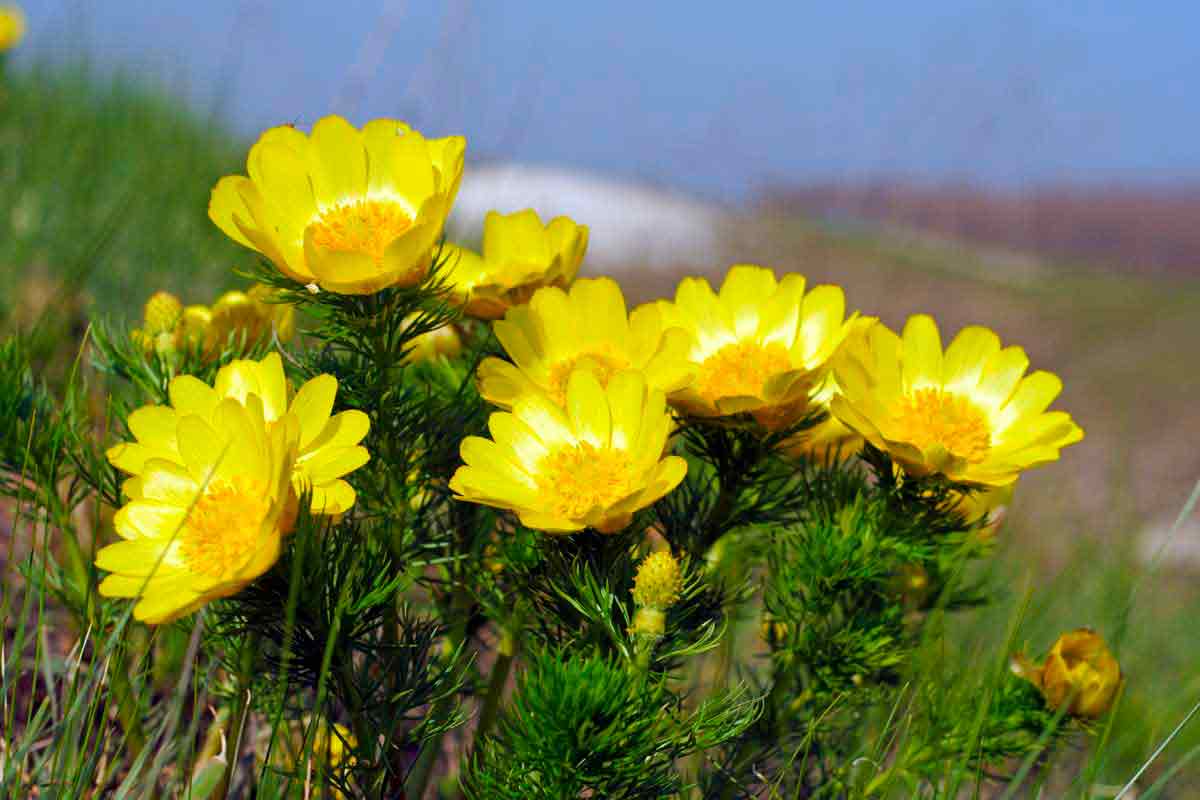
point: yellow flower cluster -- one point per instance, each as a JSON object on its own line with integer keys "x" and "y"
{"x": 587, "y": 399}
{"x": 216, "y": 476}
{"x": 169, "y": 326}
{"x": 12, "y": 27}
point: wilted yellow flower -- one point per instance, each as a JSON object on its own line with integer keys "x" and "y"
{"x": 760, "y": 346}
{"x": 350, "y": 211}
{"x": 208, "y": 506}
{"x": 520, "y": 255}
{"x": 328, "y": 446}
{"x": 12, "y": 27}
{"x": 1079, "y": 670}
{"x": 585, "y": 326}
{"x": 443, "y": 341}
{"x": 588, "y": 465}
{"x": 254, "y": 314}
{"x": 967, "y": 414}
{"x": 658, "y": 581}
{"x": 329, "y": 443}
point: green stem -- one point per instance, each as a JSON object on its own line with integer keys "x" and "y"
{"x": 128, "y": 713}
{"x": 241, "y": 713}
{"x": 496, "y": 682}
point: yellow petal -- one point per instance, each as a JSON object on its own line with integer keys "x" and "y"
{"x": 605, "y": 309}
{"x": 626, "y": 397}
{"x": 226, "y": 202}
{"x": 330, "y": 463}
{"x": 511, "y": 434}
{"x": 545, "y": 418}
{"x": 337, "y": 162}
{"x": 922, "y": 354}
{"x": 743, "y": 292}
{"x": 139, "y": 557}
{"x": 336, "y": 497}
{"x": 145, "y": 519}
{"x": 168, "y": 482}
{"x": 342, "y": 430}
{"x": 587, "y": 408}
{"x": 273, "y": 386}
{"x": 492, "y": 458}
{"x": 821, "y": 325}
{"x": 280, "y": 171}
{"x": 381, "y": 138}
{"x": 1033, "y": 395}
{"x": 500, "y": 383}
{"x": 412, "y": 172}
{"x": 312, "y": 406}
{"x": 1001, "y": 374}
{"x": 190, "y": 395}
{"x": 966, "y": 357}
{"x": 153, "y": 425}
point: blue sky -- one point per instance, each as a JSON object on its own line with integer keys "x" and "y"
{"x": 716, "y": 99}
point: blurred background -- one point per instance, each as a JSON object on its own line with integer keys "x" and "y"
{"x": 1030, "y": 166}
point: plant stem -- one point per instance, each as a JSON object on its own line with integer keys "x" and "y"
{"x": 237, "y": 722}
{"x": 496, "y": 682}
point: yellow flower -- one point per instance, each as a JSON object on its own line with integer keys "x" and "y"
{"x": 328, "y": 446}
{"x": 254, "y": 314}
{"x": 587, "y": 326}
{"x": 443, "y": 341}
{"x": 12, "y": 27}
{"x": 520, "y": 255}
{"x": 760, "y": 346}
{"x": 329, "y": 443}
{"x": 348, "y": 210}
{"x": 590, "y": 465}
{"x": 968, "y": 414}
{"x": 1079, "y": 670}
{"x": 830, "y": 438}
{"x": 208, "y": 506}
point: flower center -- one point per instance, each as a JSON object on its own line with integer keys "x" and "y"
{"x": 741, "y": 369}
{"x": 932, "y": 417}
{"x": 574, "y": 480}
{"x": 223, "y": 527}
{"x": 603, "y": 365}
{"x": 362, "y": 226}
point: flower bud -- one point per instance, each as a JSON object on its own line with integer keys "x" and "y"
{"x": 443, "y": 341}
{"x": 1079, "y": 670}
{"x": 658, "y": 581}
{"x": 161, "y": 314}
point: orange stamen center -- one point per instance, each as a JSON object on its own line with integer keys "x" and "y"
{"x": 931, "y": 417}
{"x": 574, "y": 480}
{"x": 741, "y": 370}
{"x": 362, "y": 226}
{"x": 223, "y": 529}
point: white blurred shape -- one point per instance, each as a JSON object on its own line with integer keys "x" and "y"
{"x": 632, "y": 226}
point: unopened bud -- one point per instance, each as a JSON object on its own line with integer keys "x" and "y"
{"x": 1079, "y": 670}
{"x": 658, "y": 581}
{"x": 161, "y": 314}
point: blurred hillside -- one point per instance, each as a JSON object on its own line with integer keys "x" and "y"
{"x": 1144, "y": 229}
